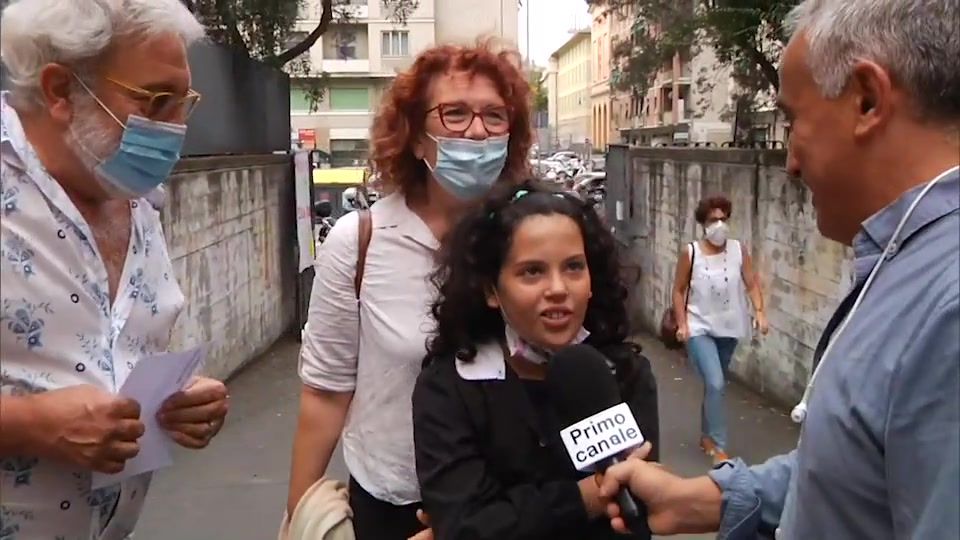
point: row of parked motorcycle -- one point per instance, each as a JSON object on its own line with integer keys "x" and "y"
{"x": 351, "y": 199}
{"x": 585, "y": 177}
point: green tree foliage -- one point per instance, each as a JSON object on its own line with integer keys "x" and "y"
{"x": 538, "y": 89}
{"x": 266, "y": 30}
{"x": 746, "y": 35}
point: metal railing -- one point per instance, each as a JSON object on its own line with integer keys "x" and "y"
{"x": 743, "y": 145}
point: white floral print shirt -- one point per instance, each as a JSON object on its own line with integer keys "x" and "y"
{"x": 59, "y": 329}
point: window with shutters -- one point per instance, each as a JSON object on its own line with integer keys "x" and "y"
{"x": 299, "y": 100}
{"x": 349, "y": 99}
{"x": 395, "y": 43}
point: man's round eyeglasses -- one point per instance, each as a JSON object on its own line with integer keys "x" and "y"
{"x": 162, "y": 104}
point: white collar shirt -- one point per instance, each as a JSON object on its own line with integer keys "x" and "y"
{"x": 374, "y": 348}
{"x": 58, "y": 329}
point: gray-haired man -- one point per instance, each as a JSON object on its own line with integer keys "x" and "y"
{"x": 872, "y": 91}
{"x": 92, "y": 125}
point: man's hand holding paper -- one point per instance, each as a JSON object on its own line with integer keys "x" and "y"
{"x": 153, "y": 383}
{"x": 194, "y": 415}
{"x": 89, "y": 427}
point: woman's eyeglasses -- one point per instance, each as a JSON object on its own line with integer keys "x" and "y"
{"x": 457, "y": 117}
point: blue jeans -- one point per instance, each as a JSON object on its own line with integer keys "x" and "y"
{"x": 711, "y": 356}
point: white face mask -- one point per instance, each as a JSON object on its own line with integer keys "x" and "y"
{"x": 517, "y": 346}
{"x": 716, "y": 233}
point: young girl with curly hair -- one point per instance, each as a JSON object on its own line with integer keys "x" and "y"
{"x": 522, "y": 275}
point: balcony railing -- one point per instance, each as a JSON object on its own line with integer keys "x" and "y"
{"x": 353, "y": 11}
{"x": 345, "y": 66}
{"x": 665, "y": 117}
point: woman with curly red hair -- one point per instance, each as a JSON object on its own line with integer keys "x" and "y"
{"x": 448, "y": 129}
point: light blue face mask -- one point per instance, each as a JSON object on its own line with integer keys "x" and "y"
{"x": 147, "y": 152}
{"x": 468, "y": 168}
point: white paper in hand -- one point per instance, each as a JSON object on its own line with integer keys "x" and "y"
{"x": 153, "y": 380}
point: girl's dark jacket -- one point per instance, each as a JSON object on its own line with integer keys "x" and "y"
{"x": 490, "y": 462}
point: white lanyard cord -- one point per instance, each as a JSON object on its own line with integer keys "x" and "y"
{"x": 799, "y": 413}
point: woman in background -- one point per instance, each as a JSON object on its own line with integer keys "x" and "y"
{"x": 713, "y": 279}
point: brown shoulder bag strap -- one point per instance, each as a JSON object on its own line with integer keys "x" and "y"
{"x": 364, "y": 233}
{"x": 693, "y": 254}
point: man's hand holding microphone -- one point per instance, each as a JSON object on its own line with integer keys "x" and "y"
{"x": 641, "y": 497}
{"x": 675, "y": 505}
{"x": 648, "y": 481}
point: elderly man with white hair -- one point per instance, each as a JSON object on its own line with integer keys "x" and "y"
{"x": 93, "y": 122}
{"x": 872, "y": 91}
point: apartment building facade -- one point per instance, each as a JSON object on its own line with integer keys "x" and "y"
{"x": 601, "y": 93}
{"x": 623, "y": 105}
{"x": 569, "y": 82}
{"x": 688, "y": 100}
{"x": 360, "y": 54}
{"x": 688, "y": 103}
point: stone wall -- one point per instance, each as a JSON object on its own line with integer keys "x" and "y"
{"x": 229, "y": 224}
{"x": 803, "y": 275}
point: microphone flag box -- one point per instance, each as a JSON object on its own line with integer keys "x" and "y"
{"x": 601, "y": 436}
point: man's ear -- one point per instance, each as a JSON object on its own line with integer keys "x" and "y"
{"x": 55, "y": 85}
{"x": 874, "y": 98}
{"x": 493, "y": 301}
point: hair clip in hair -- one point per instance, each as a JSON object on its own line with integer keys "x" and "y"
{"x": 521, "y": 193}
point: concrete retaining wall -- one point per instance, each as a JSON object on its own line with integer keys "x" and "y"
{"x": 803, "y": 274}
{"x": 229, "y": 224}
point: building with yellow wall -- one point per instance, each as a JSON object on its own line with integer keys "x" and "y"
{"x": 568, "y": 91}
{"x": 600, "y": 96}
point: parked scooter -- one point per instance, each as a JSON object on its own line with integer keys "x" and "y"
{"x": 322, "y": 220}
{"x": 352, "y": 199}
{"x": 597, "y": 198}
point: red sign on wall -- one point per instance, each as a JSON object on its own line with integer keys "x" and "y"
{"x": 308, "y": 138}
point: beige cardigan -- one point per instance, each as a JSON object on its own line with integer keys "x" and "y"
{"x": 322, "y": 514}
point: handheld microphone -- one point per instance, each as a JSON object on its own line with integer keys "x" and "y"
{"x": 600, "y": 427}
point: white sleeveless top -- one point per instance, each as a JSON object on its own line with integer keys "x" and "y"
{"x": 718, "y": 299}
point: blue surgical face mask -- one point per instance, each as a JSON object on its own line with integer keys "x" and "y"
{"x": 147, "y": 152}
{"x": 468, "y": 168}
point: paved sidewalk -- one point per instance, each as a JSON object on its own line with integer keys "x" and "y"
{"x": 236, "y": 488}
